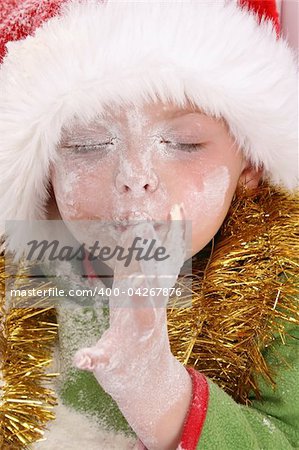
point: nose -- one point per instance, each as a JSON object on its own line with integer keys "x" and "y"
{"x": 137, "y": 182}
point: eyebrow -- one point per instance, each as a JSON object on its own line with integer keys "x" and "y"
{"x": 183, "y": 111}
{"x": 81, "y": 132}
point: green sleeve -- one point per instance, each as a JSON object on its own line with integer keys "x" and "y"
{"x": 268, "y": 424}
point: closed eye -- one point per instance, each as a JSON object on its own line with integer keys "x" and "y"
{"x": 85, "y": 148}
{"x": 183, "y": 147}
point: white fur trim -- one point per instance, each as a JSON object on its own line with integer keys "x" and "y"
{"x": 94, "y": 54}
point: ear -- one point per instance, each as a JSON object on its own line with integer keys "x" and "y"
{"x": 250, "y": 176}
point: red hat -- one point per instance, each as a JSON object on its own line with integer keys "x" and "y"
{"x": 73, "y": 57}
{"x": 263, "y": 8}
{"x": 20, "y": 18}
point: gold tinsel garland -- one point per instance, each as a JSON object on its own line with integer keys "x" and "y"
{"x": 27, "y": 335}
{"x": 243, "y": 292}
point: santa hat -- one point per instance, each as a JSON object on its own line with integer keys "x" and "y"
{"x": 72, "y": 58}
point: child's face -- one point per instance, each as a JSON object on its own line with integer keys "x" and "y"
{"x": 144, "y": 160}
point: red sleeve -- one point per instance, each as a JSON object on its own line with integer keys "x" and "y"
{"x": 197, "y": 411}
{"x": 196, "y": 415}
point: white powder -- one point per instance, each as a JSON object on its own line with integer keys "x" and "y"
{"x": 78, "y": 327}
{"x": 74, "y": 431}
{"x": 139, "y": 171}
{"x": 212, "y": 196}
{"x": 268, "y": 424}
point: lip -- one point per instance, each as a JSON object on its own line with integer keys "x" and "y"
{"x": 130, "y": 219}
{"x": 132, "y": 216}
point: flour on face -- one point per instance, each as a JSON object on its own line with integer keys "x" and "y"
{"x": 214, "y": 188}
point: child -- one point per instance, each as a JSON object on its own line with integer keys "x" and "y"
{"x": 123, "y": 110}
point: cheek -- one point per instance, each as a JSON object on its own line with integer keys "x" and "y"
{"x": 206, "y": 199}
{"x": 80, "y": 190}
{"x": 202, "y": 189}
{"x": 209, "y": 194}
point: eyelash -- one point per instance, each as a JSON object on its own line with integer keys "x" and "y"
{"x": 183, "y": 147}
{"x": 86, "y": 148}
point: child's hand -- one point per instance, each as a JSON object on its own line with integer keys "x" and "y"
{"x": 132, "y": 361}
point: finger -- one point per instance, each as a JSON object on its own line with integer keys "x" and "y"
{"x": 138, "y": 309}
{"x": 177, "y": 229}
{"x": 150, "y": 268}
{"x": 140, "y": 244}
{"x": 144, "y": 314}
{"x": 125, "y": 242}
{"x": 90, "y": 358}
{"x": 151, "y": 244}
{"x": 135, "y": 314}
{"x": 131, "y": 244}
{"x": 175, "y": 245}
{"x": 121, "y": 299}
